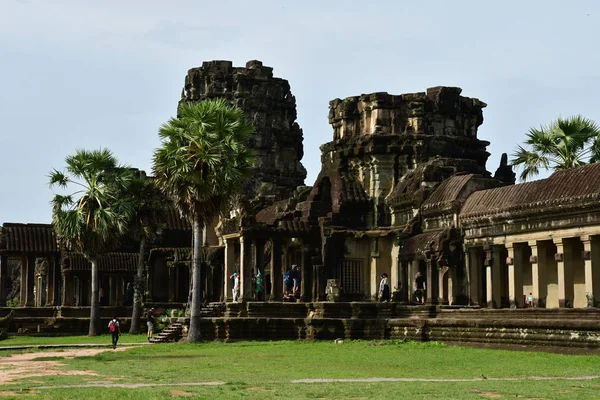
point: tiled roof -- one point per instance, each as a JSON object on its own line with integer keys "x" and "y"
{"x": 447, "y": 192}
{"x": 568, "y": 189}
{"x": 123, "y": 262}
{"x": 20, "y": 238}
{"x": 419, "y": 244}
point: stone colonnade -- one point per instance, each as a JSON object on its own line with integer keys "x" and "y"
{"x": 246, "y": 256}
{"x": 39, "y": 279}
{"x": 547, "y": 272}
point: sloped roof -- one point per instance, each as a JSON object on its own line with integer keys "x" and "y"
{"x": 420, "y": 244}
{"x": 106, "y": 262}
{"x": 175, "y": 221}
{"x": 446, "y": 193}
{"x": 20, "y": 238}
{"x": 564, "y": 190}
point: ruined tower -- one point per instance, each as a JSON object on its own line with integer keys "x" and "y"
{"x": 269, "y": 104}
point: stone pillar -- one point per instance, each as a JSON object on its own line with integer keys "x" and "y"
{"x": 3, "y": 275}
{"x": 171, "y": 283}
{"x": 432, "y": 281}
{"x": 415, "y": 264}
{"x": 259, "y": 259}
{"x": 229, "y": 269}
{"x": 591, "y": 257}
{"x": 442, "y": 294}
{"x": 538, "y": 274}
{"x": 514, "y": 261}
{"x": 493, "y": 266}
{"x": 51, "y": 282}
{"x": 245, "y": 269}
{"x": 112, "y": 288}
{"x": 276, "y": 275}
{"x": 375, "y": 266}
{"x": 64, "y": 300}
{"x": 304, "y": 275}
{"x": 395, "y": 281}
{"x": 403, "y": 280}
{"x": 473, "y": 275}
{"x": 564, "y": 264}
{"x": 453, "y": 286}
{"x": 149, "y": 285}
{"x": 27, "y": 280}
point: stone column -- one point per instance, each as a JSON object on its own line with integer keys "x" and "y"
{"x": 3, "y": 275}
{"x": 403, "y": 280}
{"x": 415, "y": 264}
{"x": 229, "y": 269}
{"x": 473, "y": 275}
{"x": 432, "y": 282}
{"x": 538, "y": 274}
{"x": 514, "y": 261}
{"x": 395, "y": 281}
{"x": 27, "y": 280}
{"x": 375, "y": 273}
{"x": 442, "y": 294}
{"x": 245, "y": 269}
{"x": 564, "y": 264}
{"x": 493, "y": 265}
{"x": 591, "y": 257}
{"x": 171, "y": 283}
{"x": 276, "y": 275}
{"x": 51, "y": 281}
{"x": 112, "y": 288}
{"x": 149, "y": 285}
{"x": 304, "y": 275}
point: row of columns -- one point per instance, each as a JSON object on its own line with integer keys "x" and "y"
{"x": 44, "y": 285}
{"x": 249, "y": 265}
{"x": 566, "y": 259}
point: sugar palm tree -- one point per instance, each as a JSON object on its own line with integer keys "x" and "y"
{"x": 149, "y": 204}
{"x": 565, "y": 143}
{"x": 91, "y": 220}
{"x": 201, "y": 165}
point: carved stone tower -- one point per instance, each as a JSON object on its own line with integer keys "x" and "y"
{"x": 268, "y": 103}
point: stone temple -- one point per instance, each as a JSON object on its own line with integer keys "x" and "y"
{"x": 403, "y": 190}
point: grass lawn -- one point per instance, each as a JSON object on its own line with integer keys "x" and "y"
{"x": 266, "y": 370}
{"x": 66, "y": 340}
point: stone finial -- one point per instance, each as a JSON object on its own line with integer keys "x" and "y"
{"x": 505, "y": 172}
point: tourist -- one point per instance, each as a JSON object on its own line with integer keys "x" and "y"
{"x": 288, "y": 282}
{"x": 384, "y": 288}
{"x": 150, "y": 323}
{"x": 260, "y": 288}
{"x": 236, "y": 286}
{"x": 115, "y": 330}
{"x": 421, "y": 288}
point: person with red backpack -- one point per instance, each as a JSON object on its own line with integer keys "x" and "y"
{"x": 115, "y": 330}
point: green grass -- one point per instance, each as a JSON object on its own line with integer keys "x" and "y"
{"x": 265, "y": 370}
{"x": 66, "y": 340}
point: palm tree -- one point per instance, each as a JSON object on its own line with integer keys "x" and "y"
{"x": 91, "y": 220}
{"x": 565, "y": 143}
{"x": 149, "y": 204}
{"x": 201, "y": 165}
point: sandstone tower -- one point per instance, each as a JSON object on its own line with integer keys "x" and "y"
{"x": 271, "y": 107}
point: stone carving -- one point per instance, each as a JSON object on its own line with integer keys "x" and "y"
{"x": 267, "y": 102}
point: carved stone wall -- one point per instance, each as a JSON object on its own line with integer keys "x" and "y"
{"x": 270, "y": 105}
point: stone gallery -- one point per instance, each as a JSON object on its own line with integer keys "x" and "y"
{"x": 403, "y": 191}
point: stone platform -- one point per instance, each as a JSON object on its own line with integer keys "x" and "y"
{"x": 579, "y": 328}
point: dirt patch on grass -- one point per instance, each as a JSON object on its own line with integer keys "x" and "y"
{"x": 27, "y": 365}
{"x": 491, "y": 395}
{"x": 181, "y": 393}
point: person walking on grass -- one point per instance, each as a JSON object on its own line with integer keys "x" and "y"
{"x": 150, "y": 323}
{"x": 115, "y": 330}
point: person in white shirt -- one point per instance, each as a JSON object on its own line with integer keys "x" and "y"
{"x": 236, "y": 286}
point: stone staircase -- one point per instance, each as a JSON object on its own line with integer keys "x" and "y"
{"x": 172, "y": 333}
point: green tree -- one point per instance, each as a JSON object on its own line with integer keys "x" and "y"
{"x": 149, "y": 204}
{"x": 91, "y": 219}
{"x": 565, "y": 143}
{"x": 201, "y": 165}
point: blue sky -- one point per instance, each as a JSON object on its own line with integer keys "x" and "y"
{"x": 90, "y": 74}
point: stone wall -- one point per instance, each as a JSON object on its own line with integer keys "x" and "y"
{"x": 269, "y": 104}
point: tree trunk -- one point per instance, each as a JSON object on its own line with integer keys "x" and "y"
{"x": 138, "y": 290}
{"x": 94, "y": 304}
{"x": 194, "y": 332}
